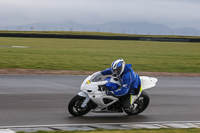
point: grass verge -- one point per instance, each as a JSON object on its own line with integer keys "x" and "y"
{"x": 95, "y": 55}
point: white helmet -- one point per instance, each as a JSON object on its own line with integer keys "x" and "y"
{"x": 117, "y": 67}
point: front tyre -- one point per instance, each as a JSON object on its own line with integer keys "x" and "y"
{"x": 140, "y": 104}
{"x": 75, "y": 108}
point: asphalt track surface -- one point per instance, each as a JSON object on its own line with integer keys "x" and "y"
{"x": 43, "y": 100}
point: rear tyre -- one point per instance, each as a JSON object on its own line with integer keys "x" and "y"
{"x": 141, "y": 104}
{"x": 75, "y": 108}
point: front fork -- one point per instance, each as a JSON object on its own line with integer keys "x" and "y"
{"x": 87, "y": 98}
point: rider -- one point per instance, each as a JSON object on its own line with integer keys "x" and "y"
{"x": 131, "y": 84}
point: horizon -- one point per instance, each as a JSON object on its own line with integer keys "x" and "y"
{"x": 140, "y": 28}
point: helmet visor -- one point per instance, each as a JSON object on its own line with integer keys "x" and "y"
{"x": 117, "y": 70}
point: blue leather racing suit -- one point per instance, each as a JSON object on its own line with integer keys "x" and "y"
{"x": 129, "y": 79}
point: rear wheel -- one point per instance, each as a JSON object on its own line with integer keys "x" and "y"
{"x": 140, "y": 104}
{"x": 75, "y": 108}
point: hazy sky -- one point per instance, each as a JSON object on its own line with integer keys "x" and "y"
{"x": 173, "y": 13}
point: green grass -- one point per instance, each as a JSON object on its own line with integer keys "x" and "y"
{"x": 190, "y": 130}
{"x": 94, "y": 55}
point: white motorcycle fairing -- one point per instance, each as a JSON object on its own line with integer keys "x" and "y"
{"x": 148, "y": 82}
{"x": 90, "y": 90}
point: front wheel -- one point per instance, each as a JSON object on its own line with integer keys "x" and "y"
{"x": 140, "y": 104}
{"x": 75, "y": 108}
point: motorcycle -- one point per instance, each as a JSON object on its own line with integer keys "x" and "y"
{"x": 94, "y": 96}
